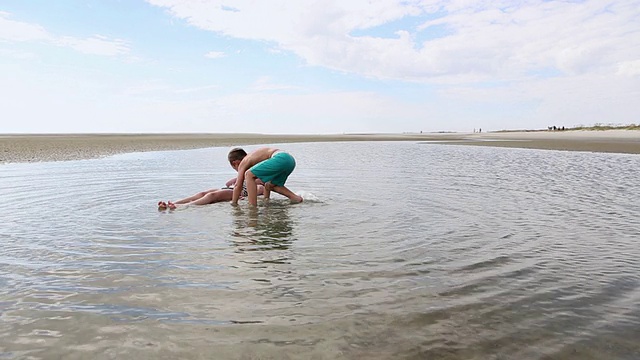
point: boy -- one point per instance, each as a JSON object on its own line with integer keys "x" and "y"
{"x": 270, "y": 165}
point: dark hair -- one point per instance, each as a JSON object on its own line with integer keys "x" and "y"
{"x": 236, "y": 154}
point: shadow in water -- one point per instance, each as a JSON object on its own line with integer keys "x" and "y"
{"x": 267, "y": 227}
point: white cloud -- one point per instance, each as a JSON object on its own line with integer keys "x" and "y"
{"x": 156, "y": 88}
{"x": 20, "y": 31}
{"x": 588, "y": 99}
{"x": 96, "y": 45}
{"x": 629, "y": 68}
{"x": 197, "y": 89}
{"x": 538, "y": 103}
{"x": 17, "y": 54}
{"x": 86, "y": 105}
{"x": 146, "y": 88}
{"x": 489, "y": 39}
{"x": 215, "y": 54}
{"x": 16, "y": 31}
{"x": 265, "y": 112}
{"x": 266, "y": 83}
{"x": 493, "y": 64}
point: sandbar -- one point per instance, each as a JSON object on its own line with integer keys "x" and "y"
{"x": 61, "y": 147}
{"x": 608, "y": 141}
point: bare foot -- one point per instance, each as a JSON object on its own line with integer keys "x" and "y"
{"x": 162, "y": 206}
{"x": 171, "y": 205}
{"x": 298, "y": 199}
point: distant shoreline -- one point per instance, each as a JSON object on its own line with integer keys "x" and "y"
{"x": 608, "y": 141}
{"x": 61, "y": 147}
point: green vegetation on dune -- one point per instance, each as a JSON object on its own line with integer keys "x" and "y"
{"x": 600, "y": 127}
{"x": 596, "y": 127}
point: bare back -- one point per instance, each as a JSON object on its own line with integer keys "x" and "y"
{"x": 257, "y": 156}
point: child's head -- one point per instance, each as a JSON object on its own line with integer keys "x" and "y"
{"x": 235, "y": 157}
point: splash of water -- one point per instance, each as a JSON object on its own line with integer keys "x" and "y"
{"x": 309, "y": 197}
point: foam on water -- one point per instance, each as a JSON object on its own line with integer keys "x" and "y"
{"x": 308, "y": 196}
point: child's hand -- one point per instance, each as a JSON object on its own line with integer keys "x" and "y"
{"x": 231, "y": 182}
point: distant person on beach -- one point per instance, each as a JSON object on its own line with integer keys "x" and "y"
{"x": 211, "y": 196}
{"x": 270, "y": 165}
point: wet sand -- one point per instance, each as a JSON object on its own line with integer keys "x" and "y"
{"x": 34, "y": 148}
{"x": 609, "y": 141}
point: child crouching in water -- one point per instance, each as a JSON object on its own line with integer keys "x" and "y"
{"x": 269, "y": 165}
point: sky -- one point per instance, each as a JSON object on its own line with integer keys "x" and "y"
{"x": 316, "y": 67}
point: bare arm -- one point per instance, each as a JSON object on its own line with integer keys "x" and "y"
{"x": 267, "y": 190}
{"x": 246, "y": 163}
{"x": 230, "y": 182}
{"x": 237, "y": 190}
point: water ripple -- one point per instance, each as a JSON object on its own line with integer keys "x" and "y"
{"x": 407, "y": 251}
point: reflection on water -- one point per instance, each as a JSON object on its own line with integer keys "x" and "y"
{"x": 265, "y": 228}
{"x": 405, "y": 251}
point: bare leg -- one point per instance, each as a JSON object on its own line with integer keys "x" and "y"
{"x": 252, "y": 187}
{"x": 214, "y": 197}
{"x": 282, "y": 190}
{"x": 195, "y": 197}
{"x": 205, "y": 198}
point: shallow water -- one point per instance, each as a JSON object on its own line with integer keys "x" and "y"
{"x": 405, "y": 251}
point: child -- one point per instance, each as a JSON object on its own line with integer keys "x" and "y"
{"x": 210, "y": 196}
{"x": 270, "y": 165}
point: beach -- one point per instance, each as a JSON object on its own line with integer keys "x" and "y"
{"x": 607, "y": 141}
{"x": 60, "y": 147}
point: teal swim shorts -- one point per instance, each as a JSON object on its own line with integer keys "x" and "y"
{"x": 275, "y": 169}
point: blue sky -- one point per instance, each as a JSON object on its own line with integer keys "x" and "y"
{"x": 316, "y": 66}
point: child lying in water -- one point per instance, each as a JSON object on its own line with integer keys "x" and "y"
{"x": 211, "y": 196}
